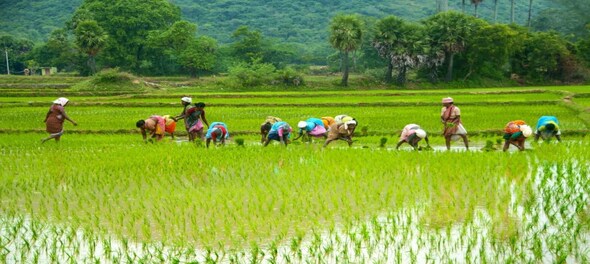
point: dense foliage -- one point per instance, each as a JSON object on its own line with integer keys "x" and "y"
{"x": 151, "y": 38}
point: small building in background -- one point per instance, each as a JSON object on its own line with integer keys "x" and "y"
{"x": 48, "y": 70}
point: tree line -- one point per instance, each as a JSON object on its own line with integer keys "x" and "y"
{"x": 150, "y": 38}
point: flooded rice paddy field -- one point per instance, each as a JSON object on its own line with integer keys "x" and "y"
{"x": 102, "y": 195}
{"x": 109, "y": 198}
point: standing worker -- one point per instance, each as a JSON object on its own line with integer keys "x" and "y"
{"x": 279, "y": 131}
{"x": 267, "y": 126}
{"x": 547, "y": 126}
{"x": 412, "y": 134}
{"x": 450, "y": 116}
{"x": 193, "y": 116}
{"x": 217, "y": 132}
{"x": 54, "y": 120}
{"x": 515, "y": 133}
{"x": 343, "y": 131}
{"x": 312, "y": 127}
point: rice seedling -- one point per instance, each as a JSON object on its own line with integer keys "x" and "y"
{"x": 109, "y": 198}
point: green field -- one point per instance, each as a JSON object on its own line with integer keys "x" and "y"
{"x": 102, "y": 195}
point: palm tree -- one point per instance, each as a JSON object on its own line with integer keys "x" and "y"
{"x": 90, "y": 38}
{"x": 512, "y": 11}
{"x": 346, "y": 34}
{"x": 401, "y": 44}
{"x": 495, "y": 10}
{"x": 530, "y": 13}
{"x": 448, "y": 32}
{"x": 476, "y": 3}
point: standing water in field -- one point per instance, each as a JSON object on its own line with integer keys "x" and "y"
{"x": 550, "y": 225}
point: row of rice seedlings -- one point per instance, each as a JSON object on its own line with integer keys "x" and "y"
{"x": 376, "y": 119}
{"x": 279, "y": 193}
{"x": 307, "y": 99}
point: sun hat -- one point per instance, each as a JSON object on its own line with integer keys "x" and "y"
{"x": 61, "y": 101}
{"x": 527, "y": 131}
{"x": 447, "y": 100}
{"x": 301, "y": 124}
{"x": 420, "y": 133}
{"x": 350, "y": 122}
{"x": 186, "y": 99}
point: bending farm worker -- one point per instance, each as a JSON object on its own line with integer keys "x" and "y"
{"x": 156, "y": 125}
{"x": 341, "y": 119}
{"x": 450, "y": 116}
{"x": 547, "y": 127}
{"x": 280, "y": 131}
{"x": 313, "y": 127}
{"x": 328, "y": 122}
{"x": 412, "y": 134}
{"x": 193, "y": 116}
{"x": 515, "y": 133}
{"x": 217, "y": 132}
{"x": 342, "y": 131}
{"x": 170, "y": 125}
{"x": 266, "y": 127}
{"x": 54, "y": 120}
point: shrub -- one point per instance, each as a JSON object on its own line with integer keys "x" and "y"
{"x": 289, "y": 76}
{"x": 252, "y": 74}
{"x": 112, "y": 76}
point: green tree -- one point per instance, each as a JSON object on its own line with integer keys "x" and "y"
{"x": 201, "y": 55}
{"x": 16, "y": 50}
{"x": 489, "y": 52}
{"x": 247, "y": 45}
{"x": 346, "y": 32}
{"x": 128, "y": 24}
{"x": 448, "y": 32}
{"x": 401, "y": 44}
{"x": 59, "y": 51}
{"x": 541, "y": 57}
{"x": 584, "y": 49}
{"x": 90, "y": 39}
{"x": 167, "y": 45}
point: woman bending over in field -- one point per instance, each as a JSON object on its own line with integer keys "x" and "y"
{"x": 547, "y": 127}
{"x": 312, "y": 127}
{"x": 267, "y": 126}
{"x": 156, "y": 125}
{"x": 343, "y": 131}
{"x": 412, "y": 134}
{"x": 217, "y": 132}
{"x": 515, "y": 133}
{"x": 54, "y": 120}
{"x": 279, "y": 131}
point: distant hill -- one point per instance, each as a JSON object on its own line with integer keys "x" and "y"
{"x": 303, "y": 21}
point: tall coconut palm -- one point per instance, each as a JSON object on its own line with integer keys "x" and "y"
{"x": 346, "y": 32}
{"x": 463, "y": 6}
{"x": 90, "y": 38}
{"x": 495, "y": 11}
{"x": 476, "y": 3}
{"x": 448, "y": 32}
{"x": 530, "y": 13}
{"x": 401, "y": 44}
{"x": 512, "y": 11}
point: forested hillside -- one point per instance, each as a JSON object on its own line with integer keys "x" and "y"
{"x": 304, "y": 21}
